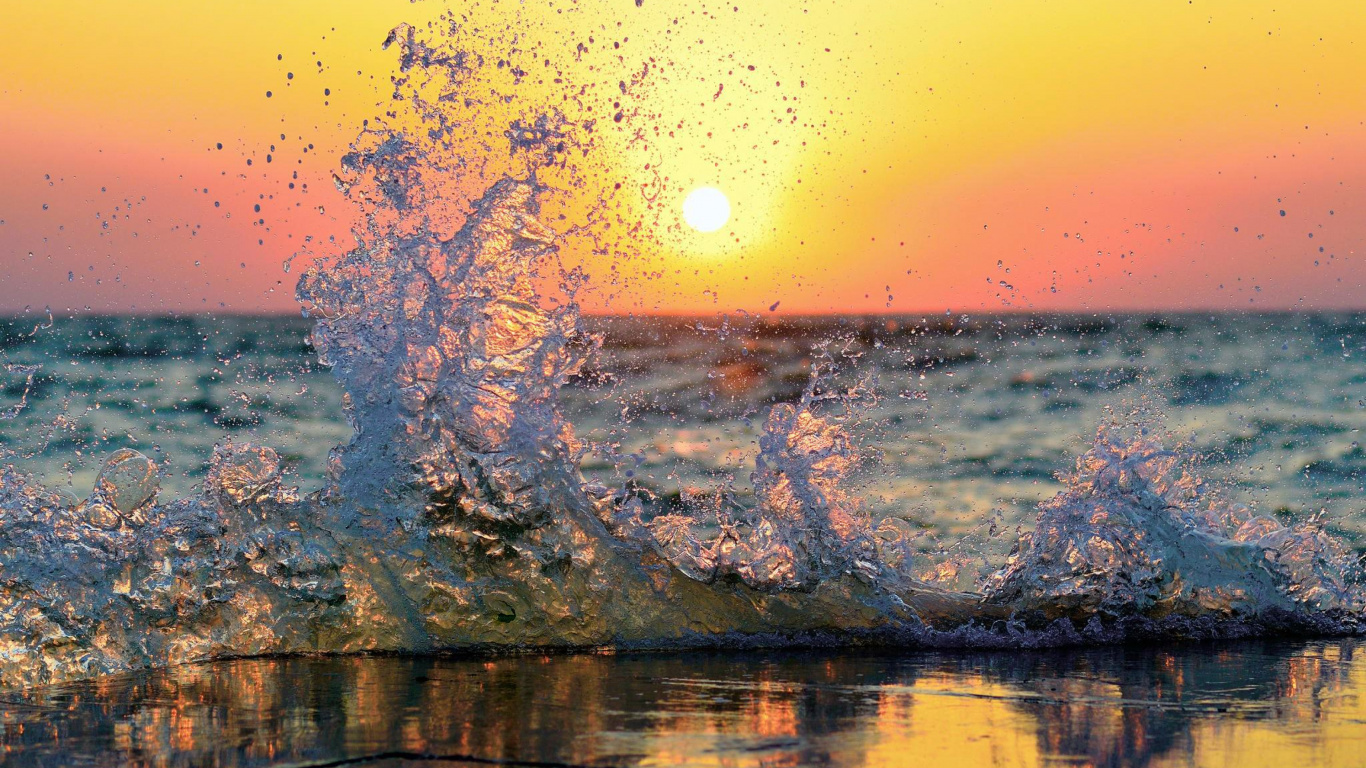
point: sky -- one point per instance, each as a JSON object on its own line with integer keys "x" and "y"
{"x": 878, "y": 157}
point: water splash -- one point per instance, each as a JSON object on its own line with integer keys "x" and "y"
{"x": 457, "y": 517}
{"x": 1136, "y": 533}
{"x": 807, "y": 527}
{"x": 451, "y": 368}
{"x": 12, "y": 412}
{"x": 119, "y": 581}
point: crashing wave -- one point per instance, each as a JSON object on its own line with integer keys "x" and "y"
{"x": 457, "y": 516}
{"x": 806, "y": 528}
{"x": 1136, "y": 533}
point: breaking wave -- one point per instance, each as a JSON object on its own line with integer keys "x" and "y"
{"x": 457, "y": 517}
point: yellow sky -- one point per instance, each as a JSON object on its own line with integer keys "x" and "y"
{"x": 924, "y": 144}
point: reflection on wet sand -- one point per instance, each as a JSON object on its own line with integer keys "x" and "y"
{"x": 1248, "y": 704}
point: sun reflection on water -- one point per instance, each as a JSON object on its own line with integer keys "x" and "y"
{"x": 1255, "y": 704}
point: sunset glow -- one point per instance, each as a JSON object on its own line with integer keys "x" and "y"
{"x": 893, "y": 157}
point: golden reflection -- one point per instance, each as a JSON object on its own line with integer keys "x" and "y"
{"x": 1248, "y": 706}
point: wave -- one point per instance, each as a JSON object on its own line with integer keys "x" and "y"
{"x": 457, "y": 516}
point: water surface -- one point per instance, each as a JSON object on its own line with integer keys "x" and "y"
{"x": 1245, "y": 704}
{"x": 975, "y": 414}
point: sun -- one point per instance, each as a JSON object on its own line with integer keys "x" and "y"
{"x": 706, "y": 209}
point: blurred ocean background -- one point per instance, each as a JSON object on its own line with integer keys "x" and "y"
{"x": 971, "y": 419}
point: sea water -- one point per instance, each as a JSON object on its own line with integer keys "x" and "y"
{"x": 975, "y": 415}
{"x": 444, "y": 457}
{"x": 1248, "y": 704}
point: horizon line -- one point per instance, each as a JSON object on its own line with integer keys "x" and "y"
{"x": 734, "y": 314}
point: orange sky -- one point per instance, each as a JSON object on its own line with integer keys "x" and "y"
{"x": 879, "y": 156}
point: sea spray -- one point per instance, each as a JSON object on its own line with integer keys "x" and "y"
{"x": 457, "y": 517}
{"x": 451, "y": 369}
{"x": 1136, "y": 533}
{"x": 807, "y": 525}
{"x": 443, "y": 551}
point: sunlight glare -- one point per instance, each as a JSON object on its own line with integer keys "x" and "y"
{"x": 706, "y": 209}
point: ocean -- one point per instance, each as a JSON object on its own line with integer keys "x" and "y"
{"x": 964, "y": 426}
